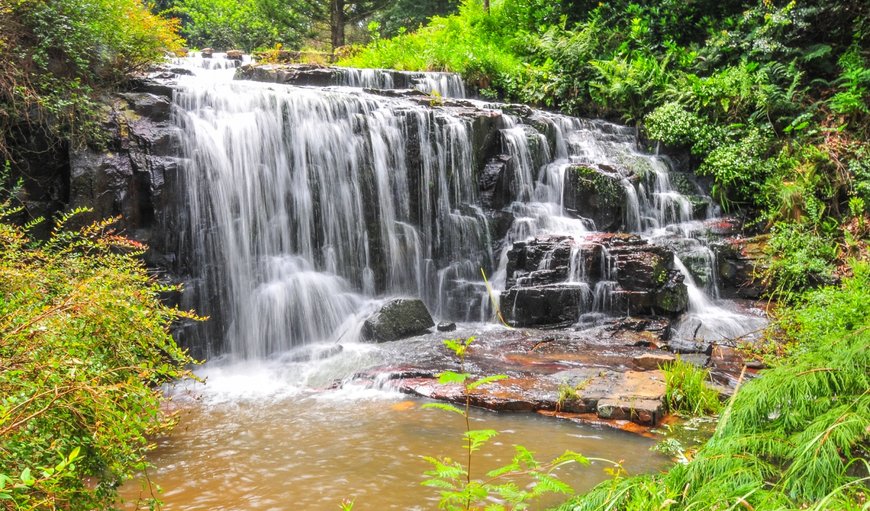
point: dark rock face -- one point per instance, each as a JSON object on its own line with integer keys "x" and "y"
{"x": 596, "y": 193}
{"x": 398, "y": 319}
{"x": 552, "y": 281}
{"x": 739, "y": 265}
{"x": 298, "y": 74}
{"x": 129, "y": 177}
{"x": 446, "y": 327}
{"x": 552, "y": 305}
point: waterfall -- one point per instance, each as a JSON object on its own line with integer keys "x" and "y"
{"x": 448, "y": 85}
{"x": 303, "y": 207}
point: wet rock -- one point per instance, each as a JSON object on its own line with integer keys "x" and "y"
{"x": 726, "y": 359}
{"x": 686, "y": 340}
{"x": 648, "y": 268}
{"x": 181, "y": 71}
{"x": 397, "y": 93}
{"x": 156, "y": 108}
{"x": 556, "y": 278}
{"x": 296, "y": 74}
{"x": 207, "y": 53}
{"x": 643, "y": 411}
{"x": 397, "y": 319}
{"x": 652, "y": 361}
{"x": 552, "y": 305}
{"x": 539, "y": 262}
{"x": 594, "y": 193}
{"x": 653, "y": 331}
{"x": 446, "y": 327}
{"x": 740, "y": 264}
{"x": 494, "y": 190}
{"x": 672, "y": 297}
{"x": 130, "y": 178}
{"x": 235, "y": 54}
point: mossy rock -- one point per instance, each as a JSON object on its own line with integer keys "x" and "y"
{"x": 595, "y": 194}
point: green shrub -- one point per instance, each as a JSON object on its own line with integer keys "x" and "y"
{"x": 84, "y": 348}
{"x": 60, "y": 55}
{"x": 799, "y": 258}
{"x": 686, "y": 389}
{"x": 796, "y": 437}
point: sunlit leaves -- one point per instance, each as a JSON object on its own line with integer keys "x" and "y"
{"x": 500, "y": 490}
{"x": 84, "y": 347}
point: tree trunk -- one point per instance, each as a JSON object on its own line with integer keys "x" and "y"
{"x": 336, "y": 23}
{"x": 486, "y": 5}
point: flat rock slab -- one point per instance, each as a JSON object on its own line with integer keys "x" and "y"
{"x": 591, "y": 375}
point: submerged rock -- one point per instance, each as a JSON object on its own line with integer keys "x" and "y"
{"x": 398, "y": 319}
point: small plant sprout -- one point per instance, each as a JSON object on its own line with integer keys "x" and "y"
{"x": 498, "y": 489}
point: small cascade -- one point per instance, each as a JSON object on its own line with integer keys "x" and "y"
{"x": 710, "y": 321}
{"x": 448, "y": 85}
{"x": 216, "y": 61}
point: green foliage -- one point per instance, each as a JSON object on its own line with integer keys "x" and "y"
{"x": 686, "y": 389}
{"x": 799, "y": 258}
{"x": 243, "y": 24}
{"x": 499, "y": 490}
{"x": 797, "y": 437}
{"x": 60, "y": 55}
{"x": 84, "y": 348}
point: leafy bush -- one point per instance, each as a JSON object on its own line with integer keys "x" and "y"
{"x": 799, "y": 258}
{"x": 60, "y": 55}
{"x": 84, "y": 348}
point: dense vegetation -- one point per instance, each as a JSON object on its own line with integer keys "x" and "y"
{"x": 59, "y": 56}
{"x": 84, "y": 348}
{"x": 769, "y": 98}
{"x": 796, "y": 438}
{"x": 772, "y": 101}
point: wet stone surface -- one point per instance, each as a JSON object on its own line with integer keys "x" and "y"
{"x": 608, "y": 374}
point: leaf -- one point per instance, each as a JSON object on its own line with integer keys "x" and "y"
{"x": 478, "y": 437}
{"x": 444, "y": 406}
{"x": 570, "y": 456}
{"x": 452, "y": 377}
{"x": 484, "y": 381}
{"x": 26, "y": 478}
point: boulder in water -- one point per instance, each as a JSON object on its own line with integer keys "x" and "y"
{"x": 446, "y": 327}
{"x": 235, "y": 54}
{"x": 207, "y": 53}
{"x": 398, "y": 319}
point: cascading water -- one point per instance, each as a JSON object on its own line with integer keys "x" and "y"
{"x": 448, "y": 85}
{"x": 302, "y": 207}
{"x": 306, "y": 205}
